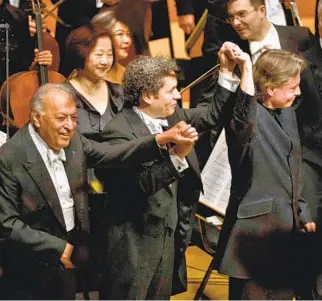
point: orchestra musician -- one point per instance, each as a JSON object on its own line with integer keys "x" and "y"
{"x": 122, "y": 41}
{"x": 90, "y": 50}
{"x": 22, "y": 53}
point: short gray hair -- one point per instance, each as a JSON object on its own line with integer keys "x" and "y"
{"x": 146, "y": 75}
{"x": 37, "y": 102}
{"x": 106, "y": 19}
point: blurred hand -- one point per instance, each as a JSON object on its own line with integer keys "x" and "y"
{"x": 43, "y": 57}
{"x": 182, "y": 149}
{"x": 309, "y": 227}
{"x": 33, "y": 27}
{"x": 227, "y": 56}
{"x": 187, "y": 23}
{"x": 67, "y": 254}
{"x": 179, "y": 133}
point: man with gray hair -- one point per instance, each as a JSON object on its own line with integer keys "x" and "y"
{"x": 148, "y": 227}
{"x": 43, "y": 200}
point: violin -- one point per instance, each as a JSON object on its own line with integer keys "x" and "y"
{"x": 23, "y": 85}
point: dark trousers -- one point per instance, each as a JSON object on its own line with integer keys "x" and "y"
{"x": 138, "y": 266}
{"x": 38, "y": 282}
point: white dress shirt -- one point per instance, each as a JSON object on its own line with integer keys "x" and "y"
{"x": 155, "y": 127}
{"x": 275, "y": 12}
{"x": 270, "y": 41}
{"x": 3, "y": 137}
{"x": 56, "y": 170}
{"x": 99, "y": 3}
{"x": 321, "y": 43}
{"x": 14, "y": 3}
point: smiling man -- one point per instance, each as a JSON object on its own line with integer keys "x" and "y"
{"x": 148, "y": 227}
{"x": 43, "y": 194}
{"x": 258, "y": 246}
{"x": 249, "y": 19}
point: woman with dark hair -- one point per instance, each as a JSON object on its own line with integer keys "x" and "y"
{"x": 90, "y": 51}
{"x": 123, "y": 41}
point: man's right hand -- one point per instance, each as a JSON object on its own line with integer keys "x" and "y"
{"x": 65, "y": 259}
{"x": 227, "y": 57}
{"x": 179, "y": 133}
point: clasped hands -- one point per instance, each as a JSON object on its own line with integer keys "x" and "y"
{"x": 183, "y": 135}
{"x": 231, "y": 55}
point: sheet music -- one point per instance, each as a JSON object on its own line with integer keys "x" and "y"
{"x": 216, "y": 177}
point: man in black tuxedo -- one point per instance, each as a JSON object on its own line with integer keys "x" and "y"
{"x": 148, "y": 227}
{"x": 217, "y": 30}
{"x": 43, "y": 200}
{"x": 309, "y": 118}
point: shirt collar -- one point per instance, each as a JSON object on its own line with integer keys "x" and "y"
{"x": 270, "y": 41}
{"x": 44, "y": 149}
{"x": 148, "y": 120}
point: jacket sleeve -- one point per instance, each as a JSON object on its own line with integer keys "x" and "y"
{"x": 151, "y": 173}
{"x": 244, "y": 118}
{"x": 121, "y": 155}
{"x": 215, "y": 114}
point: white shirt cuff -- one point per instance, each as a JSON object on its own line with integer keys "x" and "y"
{"x": 179, "y": 164}
{"x": 99, "y": 3}
{"x": 228, "y": 82}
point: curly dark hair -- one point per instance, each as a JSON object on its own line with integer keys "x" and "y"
{"x": 80, "y": 43}
{"x": 146, "y": 75}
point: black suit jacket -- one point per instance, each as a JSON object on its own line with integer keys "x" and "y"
{"x": 32, "y": 224}
{"x": 194, "y": 7}
{"x": 265, "y": 204}
{"x": 132, "y": 203}
{"x": 218, "y": 31}
{"x": 310, "y": 109}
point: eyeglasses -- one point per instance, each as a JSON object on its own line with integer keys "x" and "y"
{"x": 240, "y": 17}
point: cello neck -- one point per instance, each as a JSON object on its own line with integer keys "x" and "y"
{"x": 43, "y": 71}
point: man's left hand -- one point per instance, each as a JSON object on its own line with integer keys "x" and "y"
{"x": 187, "y": 23}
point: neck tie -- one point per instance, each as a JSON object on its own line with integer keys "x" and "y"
{"x": 54, "y": 157}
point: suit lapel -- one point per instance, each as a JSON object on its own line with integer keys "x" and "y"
{"x": 317, "y": 54}
{"x": 136, "y": 123}
{"x": 75, "y": 175}
{"x": 39, "y": 173}
{"x": 286, "y": 40}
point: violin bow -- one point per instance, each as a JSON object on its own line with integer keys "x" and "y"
{"x": 50, "y": 13}
{"x": 200, "y": 78}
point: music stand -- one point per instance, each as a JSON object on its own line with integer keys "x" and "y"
{"x": 6, "y": 27}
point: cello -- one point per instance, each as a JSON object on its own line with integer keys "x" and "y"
{"x": 23, "y": 85}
